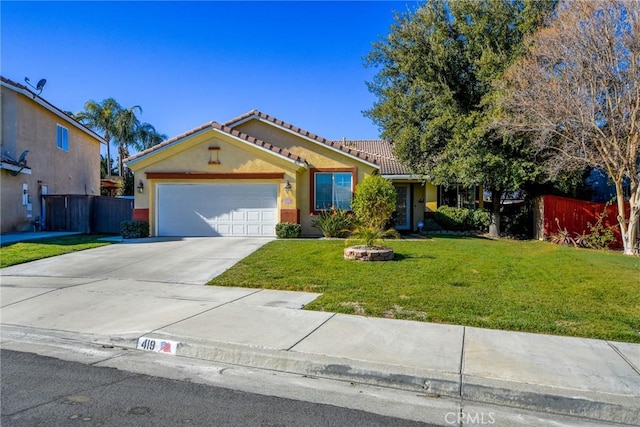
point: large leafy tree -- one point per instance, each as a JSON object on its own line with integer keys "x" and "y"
{"x": 577, "y": 92}
{"x": 436, "y": 97}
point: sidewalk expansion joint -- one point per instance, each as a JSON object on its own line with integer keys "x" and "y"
{"x": 461, "y": 372}
{"x": 48, "y": 292}
{"x": 624, "y": 358}
{"x": 315, "y": 329}
{"x": 204, "y": 311}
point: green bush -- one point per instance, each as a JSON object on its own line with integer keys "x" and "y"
{"x": 374, "y": 201}
{"x": 454, "y": 219}
{"x": 479, "y": 219}
{"x": 431, "y": 224}
{"x": 288, "y": 230}
{"x": 134, "y": 229}
{"x": 599, "y": 236}
{"x": 461, "y": 219}
{"x": 334, "y": 222}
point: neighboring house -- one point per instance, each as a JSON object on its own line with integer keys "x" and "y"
{"x": 43, "y": 151}
{"x": 242, "y": 177}
{"x": 602, "y": 188}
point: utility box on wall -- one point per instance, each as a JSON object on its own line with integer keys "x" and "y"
{"x": 25, "y": 194}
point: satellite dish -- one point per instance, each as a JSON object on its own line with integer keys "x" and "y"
{"x": 37, "y": 87}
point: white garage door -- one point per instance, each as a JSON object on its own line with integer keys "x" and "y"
{"x": 217, "y": 209}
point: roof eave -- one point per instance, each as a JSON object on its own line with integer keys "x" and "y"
{"x": 266, "y": 150}
{"x": 152, "y": 152}
{"x": 405, "y": 176}
{"x": 236, "y": 122}
{"x": 209, "y": 127}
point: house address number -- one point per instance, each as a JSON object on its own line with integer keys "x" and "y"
{"x": 157, "y": 345}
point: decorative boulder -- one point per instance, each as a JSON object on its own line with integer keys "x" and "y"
{"x": 368, "y": 253}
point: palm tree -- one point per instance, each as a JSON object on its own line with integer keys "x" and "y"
{"x": 120, "y": 124}
{"x": 148, "y": 136}
{"x": 101, "y": 116}
{"x": 126, "y": 133}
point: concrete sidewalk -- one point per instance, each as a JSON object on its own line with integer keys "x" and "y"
{"x": 590, "y": 379}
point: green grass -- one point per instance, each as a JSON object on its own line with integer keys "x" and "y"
{"x": 501, "y": 284}
{"x": 17, "y": 253}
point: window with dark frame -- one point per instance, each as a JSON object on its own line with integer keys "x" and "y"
{"x": 332, "y": 189}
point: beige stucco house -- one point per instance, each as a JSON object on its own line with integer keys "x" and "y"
{"x": 43, "y": 151}
{"x": 242, "y": 177}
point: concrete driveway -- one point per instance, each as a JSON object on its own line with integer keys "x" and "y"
{"x": 190, "y": 260}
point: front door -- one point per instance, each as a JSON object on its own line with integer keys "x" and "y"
{"x": 403, "y": 206}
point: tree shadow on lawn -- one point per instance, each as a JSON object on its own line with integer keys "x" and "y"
{"x": 458, "y": 236}
{"x": 401, "y": 257}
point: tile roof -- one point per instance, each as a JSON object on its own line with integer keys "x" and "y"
{"x": 25, "y": 90}
{"x": 381, "y": 151}
{"x": 333, "y": 144}
{"x": 376, "y": 151}
{"x": 225, "y": 129}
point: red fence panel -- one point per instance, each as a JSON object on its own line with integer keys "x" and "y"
{"x": 574, "y": 215}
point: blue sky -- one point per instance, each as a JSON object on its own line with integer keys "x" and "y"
{"x": 186, "y": 63}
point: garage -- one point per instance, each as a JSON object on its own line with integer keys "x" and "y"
{"x": 216, "y": 209}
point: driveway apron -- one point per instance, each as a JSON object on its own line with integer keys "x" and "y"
{"x": 176, "y": 260}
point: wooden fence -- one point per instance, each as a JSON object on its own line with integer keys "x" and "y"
{"x": 86, "y": 214}
{"x": 574, "y": 215}
{"x": 109, "y": 212}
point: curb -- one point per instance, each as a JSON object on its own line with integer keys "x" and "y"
{"x": 590, "y": 406}
{"x": 593, "y": 406}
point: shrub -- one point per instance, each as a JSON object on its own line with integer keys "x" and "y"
{"x": 461, "y": 219}
{"x": 374, "y": 201}
{"x": 452, "y": 218}
{"x": 134, "y": 229}
{"x": 479, "y": 219}
{"x": 431, "y": 224}
{"x": 599, "y": 236}
{"x": 334, "y": 222}
{"x": 288, "y": 230}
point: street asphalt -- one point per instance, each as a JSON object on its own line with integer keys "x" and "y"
{"x": 121, "y": 295}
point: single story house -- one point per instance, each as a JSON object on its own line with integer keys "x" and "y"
{"x": 243, "y": 176}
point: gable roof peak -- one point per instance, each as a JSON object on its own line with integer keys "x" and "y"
{"x": 226, "y": 130}
{"x": 336, "y": 145}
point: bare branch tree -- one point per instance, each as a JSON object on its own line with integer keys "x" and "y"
{"x": 578, "y": 92}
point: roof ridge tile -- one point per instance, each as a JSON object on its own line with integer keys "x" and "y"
{"x": 223, "y": 128}
{"x": 300, "y": 131}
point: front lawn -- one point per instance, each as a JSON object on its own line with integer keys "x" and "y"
{"x": 513, "y": 285}
{"x": 32, "y": 250}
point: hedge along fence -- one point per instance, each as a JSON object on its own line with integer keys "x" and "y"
{"x": 574, "y": 215}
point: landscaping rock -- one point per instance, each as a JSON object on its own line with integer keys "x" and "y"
{"x": 369, "y": 253}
